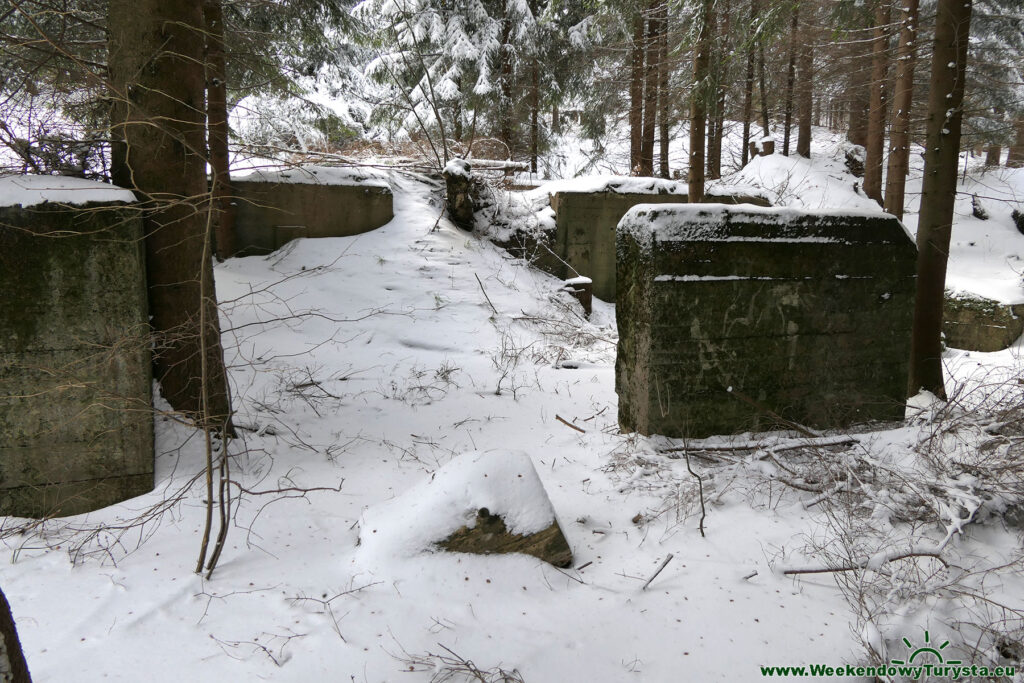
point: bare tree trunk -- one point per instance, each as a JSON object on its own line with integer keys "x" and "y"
{"x": 534, "y": 102}
{"x": 858, "y": 97}
{"x": 993, "y": 154}
{"x": 698, "y": 106}
{"x": 790, "y": 78}
{"x": 903, "y": 99}
{"x": 711, "y": 93}
{"x": 748, "y": 92}
{"x": 556, "y": 120}
{"x": 534, "y": 115}
{"x": 805, "y": 90}
{"x": 651, "y": 79}
{"x": 12, "y": 661}
{"x": 1015, "y": 158}
{"x": 505, "y": 122}
{"x": 217, "y": 128}
{"x": 663, "y": 97}
{"x": 877, "y": 108}
{"x": 721, "y": 71}
{"x": 636, "y": 94}
{"x": 938, "y": 191}
{"x": 763, "y": 88}
{"x": 156, "y": 70}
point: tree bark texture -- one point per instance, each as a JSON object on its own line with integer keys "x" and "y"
{"x": 636, "y": 93}
{"x": 763, "y": 88}
{"x": 156, "y": 71}
{"x": 534, "y": 114}
{"x": 218, "y": 131}
{"x": 805, "y": 88}
{"x": 720, "y": 34}
{"x": 698, "y": 104}
{"x": 938, "y": 192}
{"x": 875, "y": 146}
{"x": 663, "y": 96}
{"x": 1015, "y": 157}
{"x": 12, "y": 659}
{"x": 903, "y": 98}
{"x": 651, "y": 80}
{"x": 858, "y": 97}
{"x": 790, "y": 78}
{"x": 748, "y": 93}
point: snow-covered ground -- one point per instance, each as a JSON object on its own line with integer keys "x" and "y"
{"x": 362, "y": 366}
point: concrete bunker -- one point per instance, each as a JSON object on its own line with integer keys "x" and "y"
{"x": 734, "y": 319}
{"x": 76, "y": 425}
{"x": 976, "y": 323}
{"x": 273, "y": 208}
{"x": 586, "y": 216}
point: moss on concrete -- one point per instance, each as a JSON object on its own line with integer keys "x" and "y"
{"x": 269, "y": 215}
{"x": 490, "y": 535}
{"x": 975, "y": 323}
{"x": 730, "y": 319}
{"x": 75, "y": 385}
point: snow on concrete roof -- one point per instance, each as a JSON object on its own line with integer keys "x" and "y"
{"x": 321, "y": 175}
{"x": 30, "y": 190}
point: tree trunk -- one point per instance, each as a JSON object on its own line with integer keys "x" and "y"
{"x": 12, "y": 661}
{"x": 938, "y": 191}
{"x": 721, "y": 71}
{"x": 993, "y": 153}
{"x": 903, "y": 99}
{"x": 506, "y": 124}
{"x": 534, "y": 102}
{"x": 748, "y": 92}
{"x": 663, "y": 98}
{"x": 217, "y": 128}
{"x": 858, "y": 97}
{"x": 763, "y": 88}
{"x": 698, "y": 106}
{"x": 156, "y": 71}
{"x": 805, "y": 90}
{"x": 556, "y": 120}
{"x": 636, "y": 93}
{"x": 1015, "y": 158}
{"x": 875, "y": 146}
{"x": 534, "y": 114}
{"x": 790, "y": 78}
{"x": 651, "y": 79}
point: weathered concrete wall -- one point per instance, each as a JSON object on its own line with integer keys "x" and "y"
{"x": 730, "y": 316}
{"x": 978, "y": 324}
{"x": 585, "y": 232}
{"x": 76, "y": 428}
{"x": 271, "y": 214}
{"x": 585, "y": 229}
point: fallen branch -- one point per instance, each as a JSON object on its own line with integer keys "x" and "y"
{"x": 485, "y": 293}
{"x": 871, "y": 563}
{"x": 661, "y": 567}
{"x": 570, "y": 424}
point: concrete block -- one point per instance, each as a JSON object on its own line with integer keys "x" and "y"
{"x": 731, "y": 317}
{"x": 76, "y": 423}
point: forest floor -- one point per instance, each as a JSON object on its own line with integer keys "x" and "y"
{"x": 361, "y": 366}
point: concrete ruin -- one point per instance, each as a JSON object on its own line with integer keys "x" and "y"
{"x": 273, "y": 208}
{"x": 975, "y": 323}
{"x": 76, "y": 425}
{"x": 585, "y": 221}
{"x": 744, "y": 319}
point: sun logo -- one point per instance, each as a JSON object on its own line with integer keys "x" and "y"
{"x": 926, "y": 649}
